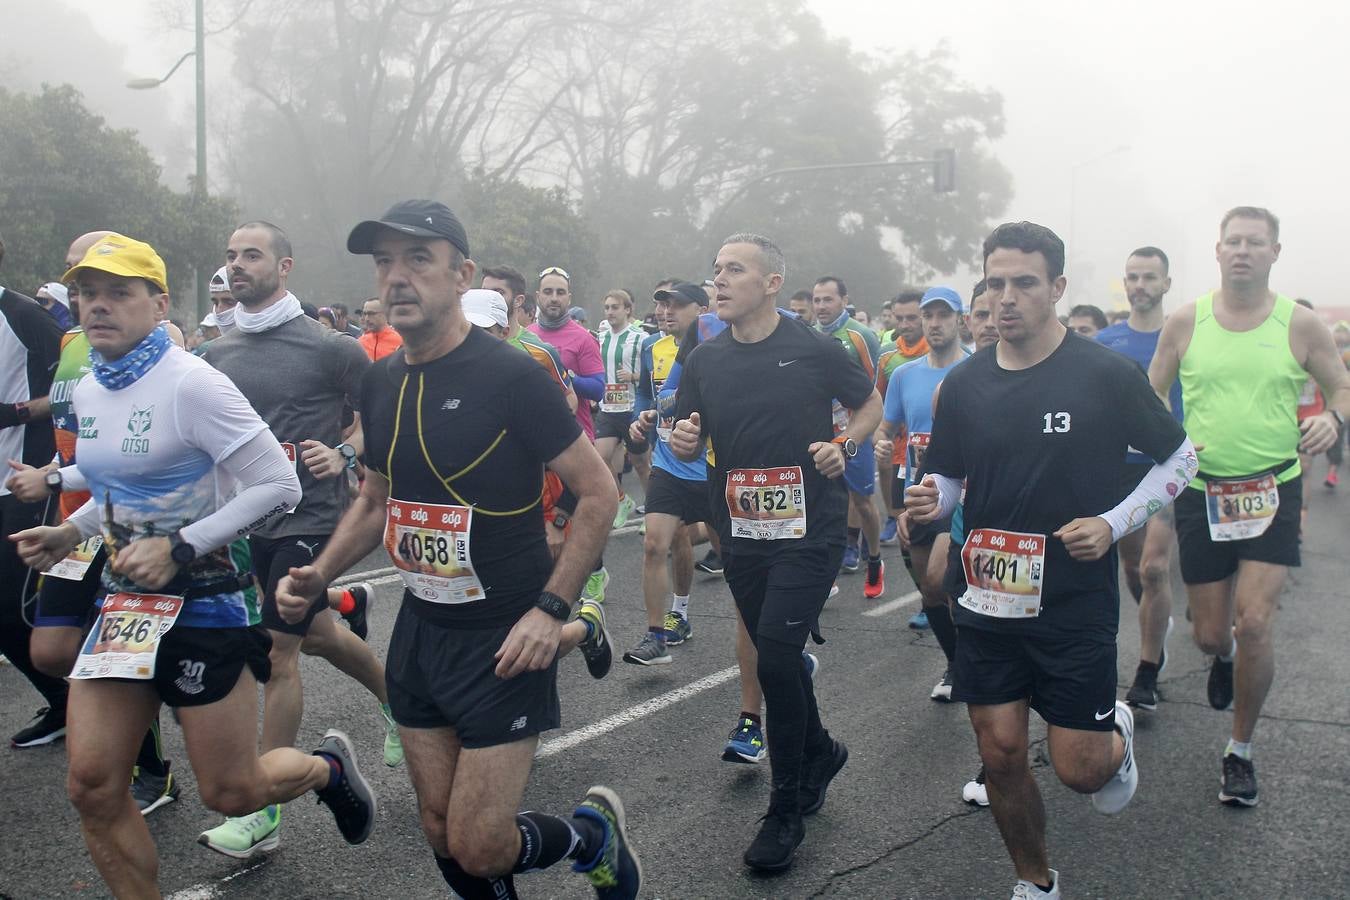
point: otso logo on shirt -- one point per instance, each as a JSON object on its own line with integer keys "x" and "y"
{"x": 138, "y": 424}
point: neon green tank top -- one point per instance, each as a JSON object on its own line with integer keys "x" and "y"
{"x": 1240, "y": 390}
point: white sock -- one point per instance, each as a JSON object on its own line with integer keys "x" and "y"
{"x": 1238, "y": 749}
{"x": 680, "y": 605}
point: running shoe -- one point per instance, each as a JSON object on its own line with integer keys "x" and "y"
{"x": 817, "y": 773}
{"x": 1239, "y": 782}
{"x": 919, "y": 621}
{"x": 595, "y": 585}
{"x": 975, "y": 793}
{"x": 152, "y": 791}
{"x": 626, "y": 506}
{"x": 746, "y": 743}
{"x": 677, "y": 628}
{"x": 596, "y": 649}
{"x": 875, "y": 585}
{"x": 356, "y": 619}
{"x": 812, "y": 663}
{"x": 710, "y": 563}
{"x": 616, "y": 871}
{"x": 942, "y": 691}
{"x": 1027, "y": 890}
{"x": 642, "y": 526}
{"x": 772, "y": 849}
{"x": 650, "y": 651}
{"x": 834, "y": 592}
{"x": 1333, "y": 479}
{"x": 1220, "y": 686}
{"x": 1143, "y": 693}
{"x": 852, "y": 557}
{"x": 243, "y": 837}
{"x": 1116, "y": 794}
{"x": 1162, "y": 653}
{"x": 889, "y": 536}
{"x": 393, "y": 744}
{"x": 48, "y": 725}
{"x": 351, "y": 800}
{"x": 640, "y": 509}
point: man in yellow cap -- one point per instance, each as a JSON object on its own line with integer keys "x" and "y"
{"x": 176, "y": 626}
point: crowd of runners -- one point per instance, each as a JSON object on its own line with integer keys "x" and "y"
{"x": 177, "y": 510}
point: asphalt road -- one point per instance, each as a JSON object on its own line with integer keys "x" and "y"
{"x": 894, "y": 824}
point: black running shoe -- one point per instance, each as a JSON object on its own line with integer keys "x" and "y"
{"x": 817, "y": 773}
{"x": 1220, "y": 687}
{"x": 1144, "y": 692}
{"x": 710, "y": 563}
{"x": 596, "y": 649}
{"x": 351, "y": 800}
{"x": 48, "y": 725}
{"x": 356, "y": 619}
{"x": 773, "y": 847}
{"x": 1239, "y": 782}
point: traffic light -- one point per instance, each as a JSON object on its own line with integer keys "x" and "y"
{"x": 944, "y": 170}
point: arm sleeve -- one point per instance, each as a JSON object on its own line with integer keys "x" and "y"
{"x": 688, "y": 399}
{"x": 949, "y": 494}
{"x": 72, "y": 479}
{"x": 41, "y": 337}
{"x": 86, "y": 519}
{"x": 592, "y": 387}
{"x": 645, "y": 400}
{"x": 1159, "y": 487}
{"x": 267, "y": 487}
{"x": 213, "y": 416}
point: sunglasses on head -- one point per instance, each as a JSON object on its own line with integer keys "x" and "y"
{"x": 556, "y": 270}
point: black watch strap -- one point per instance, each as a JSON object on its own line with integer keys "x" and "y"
{"x": 180, "y": 550}
{"x": 554, "y": 605}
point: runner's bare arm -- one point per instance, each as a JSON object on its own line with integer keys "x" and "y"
{"x": 358, "y": 532}
{"x": 863, "y": 421}
{"x": 1172, "y": 344}
{"x": 1315, "y": 349}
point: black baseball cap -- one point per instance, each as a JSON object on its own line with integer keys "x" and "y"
{"x": 683, "y": 293}
{"x": 424, "y": 218}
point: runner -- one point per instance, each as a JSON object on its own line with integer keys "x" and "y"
{"x": 223, "y": 302}
{"x": 801, "y": 307}
{"x": 904, "y": 344}
{"x": 620, "y": 351}
{"x": 1146, "y": 554}
{"x": 829, "y": 299}
{"x": 472, "y": 674}
{"x": 377, "y": 338}
{"x": 1041, "y": 411}
{"x": 1243, "y": 353}
{"x": 909, "y": 409}
{"x": 1087, "y": 320}
{"x": 298, "y": 375}
{"x": 781, "y": 512}
{"x": 520, "y": 305}
{"x": 146, "y": 448}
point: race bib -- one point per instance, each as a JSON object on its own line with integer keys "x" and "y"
{"x": 619, "y": 398}
{"x": 125, "y": 639}
{"x": 76, "y": 565}
{"x": 429, "y": 544}
{"x": 1239, "y": 509}
{"x": 839, "y": 417}
{"x": 918, "y": 449}
{"x": 767, "y": 504}
{"x": 1003, "y": 573}
{"x": 664, "y": 427}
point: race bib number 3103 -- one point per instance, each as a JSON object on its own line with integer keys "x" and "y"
{"x": 1240, "y": 509}
{"x": 767, "y": 504}
{"x": 1004, "y": 570}
{"x": 429, "y": 544}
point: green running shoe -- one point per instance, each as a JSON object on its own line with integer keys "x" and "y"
{"x": 393, "y": 744}
{"x": 245, "y": 836}
{"x": 626, "y": 507}
{"x": 595, "y": 585}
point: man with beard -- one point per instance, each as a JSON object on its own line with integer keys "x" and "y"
{"x": 905, "y": 345}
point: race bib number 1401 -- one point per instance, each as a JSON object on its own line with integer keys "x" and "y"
{"x": 1004, "y": 570}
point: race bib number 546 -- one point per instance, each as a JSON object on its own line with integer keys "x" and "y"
{"x": 124, "y": 642}
{"x": 1004, "y": 570}
{"x": 767, "y": 504}
{"x": 429, "y": 544}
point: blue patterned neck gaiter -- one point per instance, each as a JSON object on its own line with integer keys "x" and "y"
{"x": 124, "y": 372}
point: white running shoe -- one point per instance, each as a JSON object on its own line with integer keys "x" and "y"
{"x": 1116, "y": 794}
{"x": 1027, "y": 890}
{"x": 975, "y": 793}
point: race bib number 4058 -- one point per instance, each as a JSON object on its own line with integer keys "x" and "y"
{"x": 767, "y": 504}
{"x": 429, "y": 544}
{"x": 1004, "y": 570}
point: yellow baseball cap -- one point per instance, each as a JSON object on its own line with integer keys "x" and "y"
{"x": 120, "y": 255}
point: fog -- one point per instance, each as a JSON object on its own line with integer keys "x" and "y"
{"x": 1126, "y": 124}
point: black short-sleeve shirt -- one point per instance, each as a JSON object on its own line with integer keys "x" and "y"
{"x": 1041, "y": 446}
{"x": 485, "y": 419}
{"x": 761, "y": 405}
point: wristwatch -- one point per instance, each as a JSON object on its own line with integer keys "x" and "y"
{"x": 560, "y": 519}
{"x": 181, "y": 551}
{"x": 848, "y": 445}
{"x": 348, "y": 455}
{"x": 1340, "y": 419}
{"x": 554, "y": 605}
{"x": 53, "y": 479}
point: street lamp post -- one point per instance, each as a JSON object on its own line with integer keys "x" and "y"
{"x": 199, "y": 187}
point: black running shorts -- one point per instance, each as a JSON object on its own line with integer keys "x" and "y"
{"x": 63, "y": 603}
{"x": 272, "y": 559}
{"x": 199, "y": 666}
{"x": 1070, "y": 681}
{"x": 1204, "y": 560}
{"x": 682, "y": 498}
{"x": 612, "y": 425}
{"x": 442, "y": 677}
{"x": 780, "y": 594}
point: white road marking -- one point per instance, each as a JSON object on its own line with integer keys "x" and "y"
{"x": 892, "y": 605}
{"x": 209, "y": 891}
{"x": 634, "y": 713}
{"x": 354, "y": 577}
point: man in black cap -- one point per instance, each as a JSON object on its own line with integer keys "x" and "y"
{"x": 458, "y": 429}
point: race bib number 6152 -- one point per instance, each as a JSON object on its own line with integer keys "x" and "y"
{"x": 767, "y": 504}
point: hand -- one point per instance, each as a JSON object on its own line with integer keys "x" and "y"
{"x": 902, "y": 528}
{"x": 829, "y": 458}
{"x": 882, "y": 448}
{"x": 637, "y": 432}
{"x": 1086, "y": 539}
{"x": 43, "y": 547}
{"x": 685, "y": 437}
{"x": 554, "y": 537}
{"x": 1319, "y": 434}
{"x": 922, "y": 501}
{"x": 626, "y": 375}
{"x": 322, "y": 461}
{"x": 147, "y": 561}
{"x": 297, "y": 591}
{"x": 531, "y": 645}
{"x": 27, "y": 483}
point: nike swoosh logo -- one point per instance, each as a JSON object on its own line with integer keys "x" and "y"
{"x": 788, "y": 363}
{"x": 1100, "y": 717}
{"x": 798, "y": 622}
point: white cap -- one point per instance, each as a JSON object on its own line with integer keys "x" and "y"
{"x": 57, "y": 291}
{"x": 484, "y": 308}
{"x": 209, "y": 321}
{"x": 220, "y": 282}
